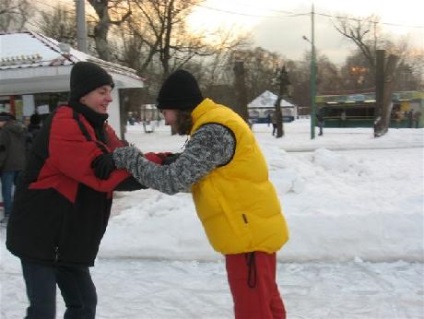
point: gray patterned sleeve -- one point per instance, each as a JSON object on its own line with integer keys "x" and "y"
{"x": 210, "y": 146}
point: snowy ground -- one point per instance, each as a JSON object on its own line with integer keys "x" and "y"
{"x": 354, "y": 205}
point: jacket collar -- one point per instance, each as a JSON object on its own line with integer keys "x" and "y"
{"x": 95, "y": 119}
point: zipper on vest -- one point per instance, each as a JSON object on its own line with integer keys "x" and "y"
{"x": 245, "y": 218}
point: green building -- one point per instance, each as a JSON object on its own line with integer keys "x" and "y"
{"x": 359, "y": 110}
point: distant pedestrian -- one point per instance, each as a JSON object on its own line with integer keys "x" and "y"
{"x": 33, "y": 128}
{"x": 12, "y": 158}
{"x": 416, "y": 120}
{"x": 411, "y": 118}
{"x": 274, "y": 123}
{"x": 268, "y": 117}
{"x": 320, "y": 120}
{"x": 61, "y": 209}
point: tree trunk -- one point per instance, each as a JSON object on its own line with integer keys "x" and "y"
{"x": 240, "y": 88}
{"x": 279, "y": 117}
{"x": 384, "y": 90}
{"x": 283, "y": 90}
{"x": 102, "y": 28}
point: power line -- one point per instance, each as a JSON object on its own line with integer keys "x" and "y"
{"x": 291, "y": 14}
{"x": 369, "y": 20}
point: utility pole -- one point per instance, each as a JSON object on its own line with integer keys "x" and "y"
{"x": 313, "y": 73}
{"x": 81, "y": 26}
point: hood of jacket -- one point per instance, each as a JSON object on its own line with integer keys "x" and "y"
{"x": 14, "y": 127}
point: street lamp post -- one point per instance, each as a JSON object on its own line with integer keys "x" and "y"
{"x": 313, "y": 72}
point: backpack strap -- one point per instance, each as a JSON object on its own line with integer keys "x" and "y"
{"x": 87, "y": 135}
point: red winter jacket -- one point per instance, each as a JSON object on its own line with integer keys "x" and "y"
{"x": 61, "y": 209}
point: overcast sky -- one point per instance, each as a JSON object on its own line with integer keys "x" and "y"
{"x": 279, "y": 25}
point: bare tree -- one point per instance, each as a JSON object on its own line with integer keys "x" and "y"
{"x": 366, "y": 34}
{"x": 156, "y": 41}
{"x": 357, "y": 74}
{"x": 259, "y": 65}
{"x": 409, "y": 74}
{"x": 120, "y": 9}
{"x": 60, "y": 24}
{"x": 218, "y": 67}
{"x": 162, "y": 33}
{"x": 410, "y": 69}
{"x": 359, "y": 32}
{"x": 283, "y": 82}
{"x": 384, "y": 88}
{"x": 14, "y": 14}
{"x": 363, "y": 32}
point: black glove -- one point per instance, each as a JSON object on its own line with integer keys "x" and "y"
{"x": 170, "y": 158}
{"x": 103, "y": 165}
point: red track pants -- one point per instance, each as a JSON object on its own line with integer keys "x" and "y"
{"x": 251, "y": 277}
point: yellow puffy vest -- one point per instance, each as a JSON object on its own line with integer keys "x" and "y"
{"x": 236, "y": 203}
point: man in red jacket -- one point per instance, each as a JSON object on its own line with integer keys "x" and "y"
{"x": 61, "y": 209}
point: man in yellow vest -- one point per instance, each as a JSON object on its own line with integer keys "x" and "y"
{"x": 226, "y": 172}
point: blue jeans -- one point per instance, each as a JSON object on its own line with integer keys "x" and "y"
{"x": 8, "y": 180}
{"x": 75, "y": 283}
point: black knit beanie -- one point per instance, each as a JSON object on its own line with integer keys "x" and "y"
{"x": 180, "y": 91}
{"x": 86, "y": 77}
